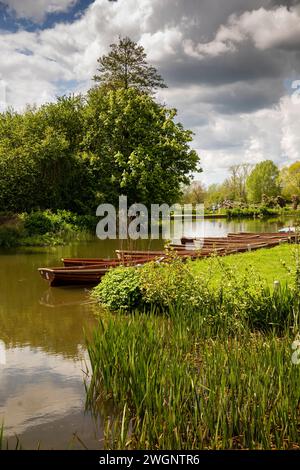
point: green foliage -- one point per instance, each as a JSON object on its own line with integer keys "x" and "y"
{"x": 258, "y": 211}
{"x": 170, "y": 284}
{"x": 40, "y": 161}
{"x": 242, "y": 299}
{"x": 179, "y": 382}
{"x": 43, "y": 228}
{"x": 290, "y": 180}
{"x": 126, "y": 67}
{"x": 212, "y": 375}
{"x": 75, "y": 153}
{"x": 119, "y": 289}
{"x": 263, "y": 181}
{"x": 194, "y": 194}
{"x": 136, "y": 148}
{"x": 38, "y": 223}
{"x": 9, "y": 236}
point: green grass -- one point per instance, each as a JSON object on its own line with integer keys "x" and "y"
{"x": 212, "y": 367}
{"x": 183, "y": 383}
{"x": 270, "y": 264}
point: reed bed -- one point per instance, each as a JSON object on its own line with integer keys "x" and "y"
{"x": 179, "y": 382}
{"x": 215, "y": 373}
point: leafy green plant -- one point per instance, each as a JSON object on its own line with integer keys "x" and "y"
{"x": 119, "y": 289}
{"x": 178, "y": 382}
{"x": 9, "y": 236}
{"x": 37, "y": 223}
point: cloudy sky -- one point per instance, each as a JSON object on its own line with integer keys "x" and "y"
{"x": 232, "y": 66}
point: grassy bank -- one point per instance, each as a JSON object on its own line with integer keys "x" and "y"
{"x": 258, "y": 211}
{"x": 43, "y": 228}
{"x": 268, "y": 265}
{"x": 202, "y": 359}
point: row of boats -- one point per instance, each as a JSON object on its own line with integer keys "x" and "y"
{"x": 89, "y": 271}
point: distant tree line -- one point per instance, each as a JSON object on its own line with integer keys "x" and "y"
{"x": 84, "y": 150}
{"x": 263, "y": 184}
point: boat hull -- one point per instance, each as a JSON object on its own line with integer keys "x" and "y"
{"x": 70, "y": 277}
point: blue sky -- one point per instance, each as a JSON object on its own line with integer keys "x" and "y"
{"x": 11, "y": 21}
{"x": 230, "y": 65}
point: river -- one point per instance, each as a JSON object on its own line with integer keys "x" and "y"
{"x": 42, "y": 342}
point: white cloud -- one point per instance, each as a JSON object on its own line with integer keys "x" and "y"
{"x": 36, "y": 64}
{"x": 161, "y": 44}
{"x": 37, "y": 10}
{"x": 278, "y": 28}
{"x": 290, "y": 139}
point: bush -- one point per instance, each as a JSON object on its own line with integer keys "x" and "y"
{"x": 236, "y": 301}
{"x": 9, "y": 236}
{"x": 37, "y": 223}
{"x": 171, "y": 284}
{"x": 119, "y": 289}
{"x": 60, "y": 222}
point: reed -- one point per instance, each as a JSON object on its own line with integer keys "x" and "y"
{"x": 180, "y": 382}
{"x": 212, "y": 369}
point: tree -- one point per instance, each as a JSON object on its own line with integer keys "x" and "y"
{"x": 263, "y": 181}
{"x": 126, "y": 67}
{"x": 194, "y": 194}
{"x": 236, "y": 183}
{"x": 290, "y": 180}
{"x": 136, "y": 147}
{"x": 41, "y": 166}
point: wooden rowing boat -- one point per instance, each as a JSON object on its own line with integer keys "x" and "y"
{"x": 89, "y": 271}
{"x": 78, "y": 275}
{"x": 84, "y": 271}
{"x": 111, "y": 263}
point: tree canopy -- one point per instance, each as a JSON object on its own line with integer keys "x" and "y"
{"x": 140, "y": 151}
{"x": 125, "y": 66}
{"x": 81, "y": 151}
{"x": 290, "y": 180}
{"x": 263, "y": 181}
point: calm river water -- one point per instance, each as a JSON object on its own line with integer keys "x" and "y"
{"x": 42, "y": 343}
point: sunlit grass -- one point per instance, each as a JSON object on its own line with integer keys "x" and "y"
{"x": 212, "y": 373}
{"x": 270, "y": 264}
{"x": 183, "y": 382}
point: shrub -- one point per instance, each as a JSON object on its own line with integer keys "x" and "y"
{"x": 9, "y": 236}
{"x": 37, "y": 223}
{"x": 171, "y": 284}
{"x": 119, "y": 289}
{"x": 236, "y": 301}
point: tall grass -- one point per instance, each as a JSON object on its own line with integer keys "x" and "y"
{"x": 181, "y": 382}
{"x": 214, "y": 372}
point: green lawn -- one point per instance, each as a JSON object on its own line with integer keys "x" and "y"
{"x": 270, "y": 264}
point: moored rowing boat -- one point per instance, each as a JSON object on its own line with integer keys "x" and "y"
{"x": 73, "y": 276}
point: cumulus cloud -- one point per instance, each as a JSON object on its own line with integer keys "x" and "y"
{"x": 37, "y": 10}
{"x": 277, "y": 28}
{"x": 225, "y": 63}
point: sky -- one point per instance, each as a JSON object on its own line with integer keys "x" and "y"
{"x": 232, "y": 66}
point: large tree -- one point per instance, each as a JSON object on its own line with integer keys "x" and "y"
{"x": 136, "y": 147}
{"x": 126, "y": 67}
{"x": 40, "y": 160}
{"x": 290, "y": 180}
{"x": 263, "y": 181}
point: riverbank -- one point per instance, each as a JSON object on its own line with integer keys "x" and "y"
{"x": 44, "y": 228}
{"x": 252, "y": 212}
{"x": 203, "y": 357}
